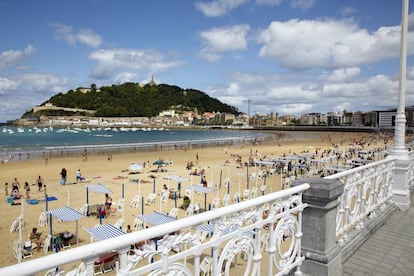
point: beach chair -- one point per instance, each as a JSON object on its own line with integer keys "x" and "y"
{"x": 119, "y": 223}
{"x": 138, "y": 224}
{"x": 246, "y": 194}
{"x": 253, "y": 175}
{"x": 202, "y": 235}
{"x": 80, "y": 270}
{"x": 164, "y": 196}
{"x": 16, "y": 224}
{"x": 135, "y": 202}
{"x": 84, "y": 210}
{"x": 46, "y": 243}
{"x": 236, "y": 197}
{"x": 42, "y": 219}
{"x": 226, "y": 199}
{"x": 173, "y": 213}
{"x": 205, "y": 265}
{"x": 190, "y": 210}
{"x": 272, "y": 171}
{"x": 120, "y": 206}
{"x": 53, "y": 272}
{"x": 226, "y": 182}
{"x": 253, "y": 192}
{"x": 151, "y": 199}
{"x": 215, "y": 203}
{"x": 188, "y": 193}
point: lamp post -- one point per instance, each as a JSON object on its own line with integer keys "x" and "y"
{"x": 401, "y": 189}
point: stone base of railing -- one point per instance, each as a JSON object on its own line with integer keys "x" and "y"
{"x": 358, "y": 237}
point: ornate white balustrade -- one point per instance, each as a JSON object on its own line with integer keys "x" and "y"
{"x": 262, "y": 236}
{"x": 411, "y": 170}
{"x": 366, "y": 189}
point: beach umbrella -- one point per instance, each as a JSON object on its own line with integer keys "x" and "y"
{"x": 134, "y": 167}
{"x": 158, "y": 162}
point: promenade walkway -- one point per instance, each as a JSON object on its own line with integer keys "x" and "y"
{"x": 390, "y": 251}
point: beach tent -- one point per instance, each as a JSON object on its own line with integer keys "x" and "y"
{"x": 96, "y": 188}
{"x": 104, "y": 231}
{"x": 65, "y": 214}
{"x": 201, "y": 189}
{"x": 157, "y": 218}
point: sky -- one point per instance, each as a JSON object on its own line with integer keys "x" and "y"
{"x": 283, "y": 56}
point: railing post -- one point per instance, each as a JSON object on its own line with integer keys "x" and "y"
{"x": 401, "y": 188}
{"x": 323, "y": 256}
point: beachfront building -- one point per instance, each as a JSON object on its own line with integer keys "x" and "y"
{"x": 333, "y": 119}
{"x": 315, "y": 119}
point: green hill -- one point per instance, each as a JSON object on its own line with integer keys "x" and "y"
{"x": 133, "y": 100}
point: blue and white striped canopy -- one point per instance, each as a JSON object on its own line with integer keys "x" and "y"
{"x": 157, "y": 218}
{"x": 105, "y": 231}
{"x": 66, "y": 214}
{"x": 200, "y": 189}
{"x": 98, "y": 188}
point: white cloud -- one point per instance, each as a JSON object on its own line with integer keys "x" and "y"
{"x": 218, "y": 7}
{"x": 304, "y": 44}
{"x": 13, "y": 58}
{"x": 226, "y": 39}
{"x": 303, "y": 4}
{"x": 345, "y": 74}
{"x": 113, "y": 62}
{"x": 269, "y": 2}
{"x": 85, "y": 36}
{"x": 21, "y": 92}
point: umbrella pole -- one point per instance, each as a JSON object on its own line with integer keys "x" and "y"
{"x": 51, "y": 231}
{"x": 123, "y": 190}
{"x": 142, "y": 205}
{"x": 153, "y": 186}
{"x": 221, "y": 176}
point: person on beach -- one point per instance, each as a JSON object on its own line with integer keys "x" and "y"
{"x": 78, "y": 176}
{"x": 39, "y": 182}
{"x": 6, "y": 188}
{"x": 15, "y": 184}
{"x": 108, "y": 204}
{"x": 27, "y": 189}
{"x": 63, "y": 173}
{"x": 35, "y": 237}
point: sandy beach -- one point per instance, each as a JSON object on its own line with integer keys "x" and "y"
{"x": 114, "y": 174}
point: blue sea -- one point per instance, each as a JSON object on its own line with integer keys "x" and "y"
{"x": 25, "y": 143}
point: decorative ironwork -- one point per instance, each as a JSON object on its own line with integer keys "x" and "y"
{"x": 366, "y": 189}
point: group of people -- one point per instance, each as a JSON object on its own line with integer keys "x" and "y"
{"x": 15, "y": 189}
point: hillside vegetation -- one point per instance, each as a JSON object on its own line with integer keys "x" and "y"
{"x": 133, "y": 100}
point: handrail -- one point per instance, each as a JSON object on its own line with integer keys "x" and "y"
{"x": 88, "y": 253}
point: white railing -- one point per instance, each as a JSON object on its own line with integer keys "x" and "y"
{"x": 411, "y": 170}
{"x": 366, "y": 189}
{"x": 265, "y": 232}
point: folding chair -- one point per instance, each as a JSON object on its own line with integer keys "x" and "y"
{"x": 226, "y": 199}
{"x": 215, "y": 203}
{"x": 16, "y": 224}
{"x": 173, "y": 213}
{"x": 135, "y": 202}
{"x": 236, "y": 197}
{"x": 190, "y": 210}
{"x": 46, "y": 243}
{"x": 253, "y": 192}
{"x": 119, "y": 223}
{"x": 164, "y": 196}
{"x": 151, "y": 199}
{"x": 205, "y": 265}
{"x": 138, "y": 224}
{"x": 42, "y": 219}
{"x": 84, "y": 210}
{"x": 120, "y": 206}
{"x": 246, "y": 194}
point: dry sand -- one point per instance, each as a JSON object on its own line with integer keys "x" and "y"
{"x": 211, "y": 158}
